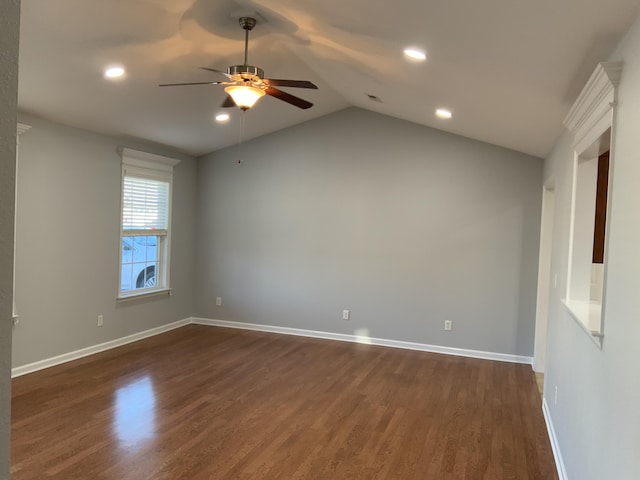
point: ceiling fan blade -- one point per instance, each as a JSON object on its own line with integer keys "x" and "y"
{"x": 190, "y": 83}
{"x": 216, "y": 71}
{"x": 287, "y": 97}
{"x": 228, "y": 103}
{"x": 289, "y": 83}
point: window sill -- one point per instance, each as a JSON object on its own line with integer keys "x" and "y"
{"x": 144, "y": 295}
{"x": 589, "y": 316}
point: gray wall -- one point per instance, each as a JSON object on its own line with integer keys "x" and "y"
{"x": 9, "y": 35}
{"x": 68, "y": 218}
{"x": 404, "y": 225}
{"x": 596, "y": 418}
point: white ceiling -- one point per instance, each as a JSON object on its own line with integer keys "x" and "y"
{"x": 508, "y": 69}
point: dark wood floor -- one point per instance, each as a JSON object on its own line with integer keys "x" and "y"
{"x": 212, "y": 403}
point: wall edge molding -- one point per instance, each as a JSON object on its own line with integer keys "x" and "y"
{"x": 85, "y": 352}
{"x": 555, "y": 446}
{"x": 22, "y": 128}
{"x": 382, "y": 342}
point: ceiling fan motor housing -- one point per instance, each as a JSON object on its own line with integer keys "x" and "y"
{"x": 246, "y": 72}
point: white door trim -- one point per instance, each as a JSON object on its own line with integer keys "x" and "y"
{"x": 545, "y": 276}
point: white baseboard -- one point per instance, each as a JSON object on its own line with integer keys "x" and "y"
{"x": 555, "y": 447}
{"x": 67, "y": 357}
{"x": 501, "y": 357}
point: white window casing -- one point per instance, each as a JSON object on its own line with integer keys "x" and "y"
{"x": 146, "y": 194}
{"x": 591, "y": 120}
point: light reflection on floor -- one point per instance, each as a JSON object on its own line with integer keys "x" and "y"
{"x": 135, "y": 416}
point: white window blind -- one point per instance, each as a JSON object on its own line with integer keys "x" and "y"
{"x": 145, "y": 206}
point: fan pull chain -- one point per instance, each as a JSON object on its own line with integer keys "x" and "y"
{"x": 241, "y": 140}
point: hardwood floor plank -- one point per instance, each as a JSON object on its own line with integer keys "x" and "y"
{"x": 203, "y": 403}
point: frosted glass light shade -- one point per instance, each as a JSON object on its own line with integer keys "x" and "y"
{"x": 245, "y": 97}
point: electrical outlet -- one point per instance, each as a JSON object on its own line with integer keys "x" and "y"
{"x": 555, "y": 396}
{"x": 345, "y": 314}
{"x": 448, "y": 325}
{"x": 100, "y": 320}
{"x": 218, "y": 301}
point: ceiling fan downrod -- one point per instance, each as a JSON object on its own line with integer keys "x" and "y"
{"x": 247, "y": 23}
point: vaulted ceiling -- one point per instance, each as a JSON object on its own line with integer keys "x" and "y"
{"x": 508, "y": 69}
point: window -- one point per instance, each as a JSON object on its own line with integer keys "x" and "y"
{"x": 592, "y": 121}
{"x": 586, "y": 273}
{"x": 145, "y": 224}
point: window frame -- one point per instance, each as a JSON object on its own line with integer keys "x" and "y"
{"x": 592, "y": 121}
{"x": 156, "y": 167}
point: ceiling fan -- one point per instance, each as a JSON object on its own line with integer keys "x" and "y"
{"x": 246, "y": 84}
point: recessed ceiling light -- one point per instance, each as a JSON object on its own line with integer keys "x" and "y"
{"x": 223, "y": 117}
{"x": 443, "y": 113}
{"x": 415, "y": 54}
{"x": 114, "y": 72}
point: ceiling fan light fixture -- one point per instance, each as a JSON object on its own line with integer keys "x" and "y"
{"x": 244, "y": 96}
